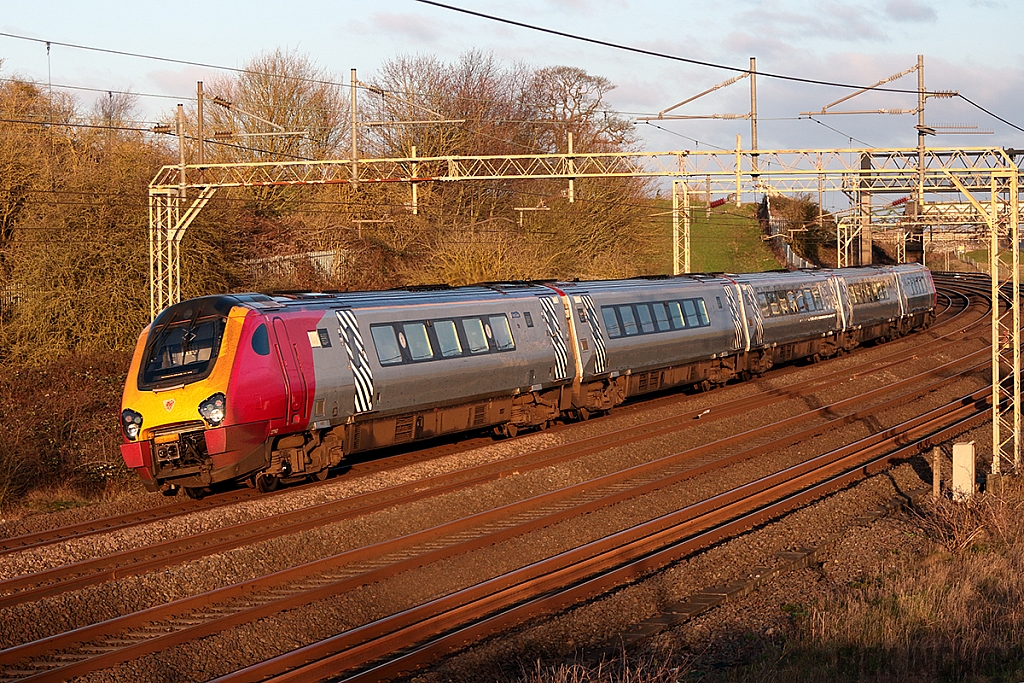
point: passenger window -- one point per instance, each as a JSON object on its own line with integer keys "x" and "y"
{"x": 646, "y": 322}
{"x": 801, "y": 305}
{"x": 702, "y": 312}
{"x": 675, "y": 314}
{"x": 762, "y": 301}
{"x": 819, "y": 304}
{"x": 419, "y": 343}
{"x": 661, "y": 317}
{"x": 783, "y": 302}
{"x": 261, "y": 341}
{"x": 692, "y": 320}
{"x": 792, "y": 302}
{"x": 475, "y": 336}
{"x": 447, "y": 338}
{"x": 502, "y": 333}
{"x": 611, "y": 323}
{"x": 628, "y": 320}
{"x": 384, "y": 339}
{"x": 773, "y": 300}
{"x": 528, "y": 318}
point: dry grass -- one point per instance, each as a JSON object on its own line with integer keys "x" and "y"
{"x": 957, "y": 615}
{"x": 667, "y": 669}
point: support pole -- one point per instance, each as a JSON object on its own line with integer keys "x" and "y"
{"x": 415, "y": 185}
{"x": 707, "y": 196}
{"x": 675, "y": 227}
{"x": 993, "y": 264}
{"x": 355, "y": 132}
{"x": 572, "y": 169}
{"x": 1014, "y": 239}
{"x": 865, "y": 209}
{"x": 199, "y": 124}
{"x": 686, "y": 227}
{"x": 180, "y": 121}
{"x": 753, "y": 114}
{"x": 739, "y": 170}
{"x": 920, "y": 131}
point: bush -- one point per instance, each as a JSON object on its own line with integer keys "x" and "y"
{"x": 61, "y": 425}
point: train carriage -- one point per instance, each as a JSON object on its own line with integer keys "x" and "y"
{"x": 265, "y": 389}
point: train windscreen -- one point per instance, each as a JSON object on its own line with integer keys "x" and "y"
{"x": 183, "y": 344}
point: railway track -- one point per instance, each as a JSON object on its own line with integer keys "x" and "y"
{"x": 102, "y": 645}
{"x": 398, "y": 645}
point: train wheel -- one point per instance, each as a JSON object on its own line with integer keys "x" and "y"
{"x": 319, "y": 476}
{"x": 265, "y": 483}
{"x": 196, "y": 493}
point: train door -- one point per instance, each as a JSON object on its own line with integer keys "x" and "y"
{"x": 362, "y": 374}
{"x": 741, "y": 334}
{"x": 553, "y": 317}
{"x": 752, "y": 313}
{"x": 900, "y": 292}
{"x": 294, "y": 379}
{"x": 839, "y": 295}
{"x": 592, "y": 340}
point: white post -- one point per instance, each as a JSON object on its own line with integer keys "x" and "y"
{"x": 963, "y": 471}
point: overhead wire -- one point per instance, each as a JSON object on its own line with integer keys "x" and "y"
{"x": 698, "y": 62}
{"x": 850, "y": 137}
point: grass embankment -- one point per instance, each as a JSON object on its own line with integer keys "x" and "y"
{"x": 59, "y": 446}
{"x": 954, "y": 614}
{"x": 729, "y": 241}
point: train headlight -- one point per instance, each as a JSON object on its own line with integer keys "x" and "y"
{"x": 131, "y": 423}
{"x": 213, "y": 409}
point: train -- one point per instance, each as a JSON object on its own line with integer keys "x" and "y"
{"x": 276, "y": 388}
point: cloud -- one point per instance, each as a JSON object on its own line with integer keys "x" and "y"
{"x": 910, "y": 10}
{"x": 180, "y": 81}
{"x": 844, "y": 21}
{"x": 415, "y": 26}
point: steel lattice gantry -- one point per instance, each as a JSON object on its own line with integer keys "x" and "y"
{"x": 983, "y": 181}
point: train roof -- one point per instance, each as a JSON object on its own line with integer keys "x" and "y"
{"x": 497, "y": 291}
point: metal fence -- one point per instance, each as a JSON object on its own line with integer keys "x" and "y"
{"x": 774, "y": 226}
{"x": 325, "y": 264}
{"x": 11, "y": 296}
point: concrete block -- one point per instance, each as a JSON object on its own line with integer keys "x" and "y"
{"x": 963, "y": 471}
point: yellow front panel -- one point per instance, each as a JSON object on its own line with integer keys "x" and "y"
{"x": 179, "y": 405}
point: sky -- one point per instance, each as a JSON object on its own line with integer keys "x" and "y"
{"x": 972, "y": 46}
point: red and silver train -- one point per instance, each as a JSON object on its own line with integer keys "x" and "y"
{"x": 265, "y": 389}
